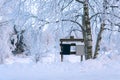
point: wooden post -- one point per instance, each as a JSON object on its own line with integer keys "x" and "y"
{"x": 61, "y": 58}
{"x": 81, "y": 58}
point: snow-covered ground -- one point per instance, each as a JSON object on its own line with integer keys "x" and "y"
{"x": 103, "y": 68}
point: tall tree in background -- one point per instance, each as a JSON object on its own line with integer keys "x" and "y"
{"x": 107, "y": 22}
{"x": 87, "y": 35}
{"x": 99, "y": 36}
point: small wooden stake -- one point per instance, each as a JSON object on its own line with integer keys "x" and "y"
{"x": 81, "y": 57}
{"x": 61, "y": 58}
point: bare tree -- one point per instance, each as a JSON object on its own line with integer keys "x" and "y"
{"x": 87, "y": 35}
{"x": 105, "y": 21}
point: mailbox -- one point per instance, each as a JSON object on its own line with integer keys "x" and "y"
{"x": 65, "y": 49}
{"x": 80, "y": 50}
{"x": 72, "y": 48}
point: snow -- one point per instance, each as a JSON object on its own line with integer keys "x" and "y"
{"x": 104, "y": 67}
{"x": 44, "y": 25}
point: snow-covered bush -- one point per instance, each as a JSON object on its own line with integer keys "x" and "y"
{"x": 5, "y": 44}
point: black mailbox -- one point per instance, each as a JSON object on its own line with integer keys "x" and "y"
{"x": 65, "y": 49}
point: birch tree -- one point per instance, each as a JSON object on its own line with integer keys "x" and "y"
{"x": 108, "y": 19}
{"x": 99, "y": 36}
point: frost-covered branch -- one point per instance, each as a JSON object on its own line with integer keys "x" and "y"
{"x": 75, "y": 22}
{"x": 5, "y": 22}
{"x": 111, "y": 29}
{"x": 95, "y": 15}
{"x": 80, "y": 1}
{"x": 63, "y": 7}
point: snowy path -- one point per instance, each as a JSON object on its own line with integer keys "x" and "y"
{"x": 88, "y": 70}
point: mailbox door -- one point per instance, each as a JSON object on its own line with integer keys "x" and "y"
{"x": 65, "y": 49}
{"x": 80, "y": 50}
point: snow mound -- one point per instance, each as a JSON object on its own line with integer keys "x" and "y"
{"x": 105, "y": 67}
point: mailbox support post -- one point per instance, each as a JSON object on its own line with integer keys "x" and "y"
{"x": 61, "y": 58}
{"x": 81, "y": 58}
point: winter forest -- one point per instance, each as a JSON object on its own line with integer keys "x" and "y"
{"x": 30, "y": 33}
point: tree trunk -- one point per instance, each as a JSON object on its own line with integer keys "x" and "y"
{"x": 99, "y": 37}
{"x": 87, "y": 35}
